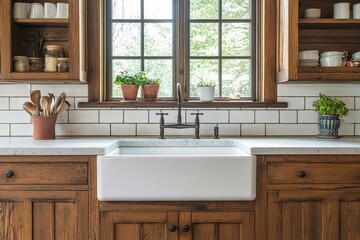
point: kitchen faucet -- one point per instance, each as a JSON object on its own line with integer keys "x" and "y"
{"x": 179, "y": 124}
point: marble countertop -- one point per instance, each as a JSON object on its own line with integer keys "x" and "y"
{"x": 250, "y": 145}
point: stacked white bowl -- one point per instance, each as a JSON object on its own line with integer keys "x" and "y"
{"x": 355, "y": 56}
{"x": 312, "y": 13}
{"x": 309, "y": 58}
{"x": 331, "y": 59}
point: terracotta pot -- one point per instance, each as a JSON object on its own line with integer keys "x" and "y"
{"x": 43, "y": 127}
{"x": 129, "y": 91}
{"x": 150, "y": 91}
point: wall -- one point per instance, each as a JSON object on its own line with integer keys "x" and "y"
{"x": 298, "y": 119}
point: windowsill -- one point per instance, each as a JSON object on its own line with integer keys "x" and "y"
{"x": 184, "y": 104}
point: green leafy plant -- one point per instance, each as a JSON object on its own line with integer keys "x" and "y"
{"x": 152, "y": 81}
{"x": 327, "y": 106}
{"x": 206, "y": 84}
{"x": 125, "y": 77}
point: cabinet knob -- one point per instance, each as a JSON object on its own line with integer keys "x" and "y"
{"x": 9, "y": 174}
{"x": 301, "y": 174}
{"x": 185, "y": 228}
{"x": 172, "y": 228}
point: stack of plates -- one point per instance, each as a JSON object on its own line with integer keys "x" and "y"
{"x": 309, "y": 58}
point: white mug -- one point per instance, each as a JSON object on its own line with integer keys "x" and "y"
{"x": 49, "y": 10}
{"x": 37, "y": 10}
{"x": 62, "y": 10}
{"x": 20, "y": 10}
{"x": 342, "y": 10}
{"x": 356, "y": 11}
{"x": 28, "y": 9}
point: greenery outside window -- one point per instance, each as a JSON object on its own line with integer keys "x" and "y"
{"x": 184, "y": 41}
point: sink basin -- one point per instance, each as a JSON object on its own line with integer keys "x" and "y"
{"x": 176, "y": 174}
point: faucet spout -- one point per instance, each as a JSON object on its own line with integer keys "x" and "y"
{"x": 178, "y": 88}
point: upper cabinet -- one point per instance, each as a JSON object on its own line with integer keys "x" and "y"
{"x": 297, "y": 32}
{"x": 53, "y": 44}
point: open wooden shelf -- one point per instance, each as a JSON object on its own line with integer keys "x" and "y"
{"x": 329, "y": 23}
{"x": 42, "y": 22}
{"x": 34, "y": 76}
{"x": 329, "y": 73}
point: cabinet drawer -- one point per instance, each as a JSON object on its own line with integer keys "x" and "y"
{"x": 282, "y": 173}
{"x": 43, "y": 173}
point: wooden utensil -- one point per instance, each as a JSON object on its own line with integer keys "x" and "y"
{"x": 44, "y": 106}
{"x": 63, "y": 107}
{"x": 35, "y": 97}
{"x": 30, "y": 108}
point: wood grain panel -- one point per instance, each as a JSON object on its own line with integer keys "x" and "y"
{"x": 127, "y": 231}
{"x": 350, "y": 220}
{"x": 65, "y": 221}
{"x": 43, "y": 220}
{"x": 153, "y": 231}
{"x": 204, "y": 231}
{"x": 44, "y": 173}
{"x": 230, "y": 231}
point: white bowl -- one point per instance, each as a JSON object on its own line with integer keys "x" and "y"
{"x": 310, "y": 54}
{"x": 313, "y": 13}
{"x": 331, "y": 61}
{"x": 356, "y": 56}
{"x": 331, "y": 53}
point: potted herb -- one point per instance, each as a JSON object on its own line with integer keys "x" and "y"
{"x": 151, "y": 89}
{"x": 206, "y": 91}
{"x": 330, "y": 111}
{"x": 130, "y": 84}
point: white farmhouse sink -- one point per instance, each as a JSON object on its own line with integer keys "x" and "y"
{"x": 176, "y": 174}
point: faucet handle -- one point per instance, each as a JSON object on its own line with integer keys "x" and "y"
{"x": 197, "y": 114}
{"x": 162, "y": 114}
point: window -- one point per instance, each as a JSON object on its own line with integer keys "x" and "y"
{"x": 215, "y": 38}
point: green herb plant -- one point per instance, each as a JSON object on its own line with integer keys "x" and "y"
{"x": 125, "y": 77}
{"x": 152, "y": 81}
{"x": 327, "y": 106}
{"x": 206, "y": 84}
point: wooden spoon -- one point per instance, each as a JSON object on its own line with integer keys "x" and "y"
{"x": 63, "y": 107}
{"x": 48, "y": 99}
{"x": 57, "y": 102}
{"x": 35, "y": 97}
{"x": 44, "y": 106}
{"x": 30, "y": 108}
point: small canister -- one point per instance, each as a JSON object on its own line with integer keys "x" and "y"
{"x": 36, "y": 64}
{"x": 52, "y": 53}
{"x": 21, "y": 64}
{"x": 63, "y": 64}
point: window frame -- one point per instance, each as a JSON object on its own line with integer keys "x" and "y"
{"x": 266, "y": 69}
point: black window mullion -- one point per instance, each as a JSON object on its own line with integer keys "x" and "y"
{"x": 220, "y": 48}
{"x": 142, "y": 35}
{"x": 109, "y": 46}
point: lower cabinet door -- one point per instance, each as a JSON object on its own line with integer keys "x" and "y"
{"x": 139, "y": 225}
{"x": 43, "y": 215}
{"x": 314, "y": 215}
{"x": 217, "y": 226}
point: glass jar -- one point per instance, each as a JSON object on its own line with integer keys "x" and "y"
{"x": 21, "y": 64}
{"x": 36, "y": 64}
{"x": 63, "y": 64}
{"x": 52, "y": 53}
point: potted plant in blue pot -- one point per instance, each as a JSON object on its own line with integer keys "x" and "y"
{"x": 330, "y": 111}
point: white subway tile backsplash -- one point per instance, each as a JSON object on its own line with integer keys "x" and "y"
{"x": 4, "y": 130}
{"x": 242, "y": 116}
{"x": 21, "y": 130}
{"x": 347, "y": 129}
{"x": 123, "y": 129}
{"x": 75, "y": 102}
{"x": 71, "y": 90}
{"x": 266, "y": 116}
{"x": 14, "y": 117}
{"x": 83, "y": 116}
{"x": 291, "y": 129}
{"x": 136, "y": 116}
{"x": 82, "y": 129}
{"x": 252, "y": 129}
{"x": 309, "y": 102}
{"x": 229, "y": 129}
{"x": 14, "y": 90}
{"x": 4, "y": 103}
{"x": 313, "y": 90}
{"x": 357, "y": 129}
{"x": 288, "y": 116}
{"x": 148, "y": 129}
{"x": 205, "y": 130}
{"x": 293, "y": 102}
{"x": 352, "y": 117}
{"x": 63, "y": 117}
{"x": 210, "y": 116}
{"x": 357, "y": 103}
{"x": 349, "y": 101}
{"x": 111, "y": 116}
{"x": 309, "y": 116}
{"x": 17, "y": 103}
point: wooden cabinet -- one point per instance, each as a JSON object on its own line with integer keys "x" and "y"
{"x": 294, "y": 34}
{"x": 29, "y": 36}
{"x": 44, "y": 197}
{"x": 313, "y": 197}
{"x": 177, "y": 225}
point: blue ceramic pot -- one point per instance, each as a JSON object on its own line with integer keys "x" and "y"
{"x": 329, "y": 126}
